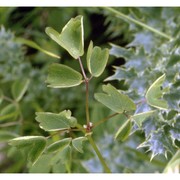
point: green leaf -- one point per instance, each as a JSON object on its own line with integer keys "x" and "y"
{"x": 141, "y": 117}
{"x": 55, "y": 122}
{"x": 9, "y": 112}
{"x": 59, "y": 168}
{"x": 96, "y": 59}
{"x": 71, "y": 38}
{"x": 124, "y": 131}
{"x": 36, "y": 46}
{"x": 32, "y": 146}
{"x": 7, "y": 135}
{"x": 61, "y": 76}
{"x": 77, "y": 143}
{"x": 173, "y": 163}
{"x": 154, "y": 93}
{"x": 19, "y": 88}
{"x": 42, "y": 165}
{"x": 59, "y": 145}
{"x": 62, "y": 156}
{"x": 89, "y": 52}
{"x": 115, "y": 100}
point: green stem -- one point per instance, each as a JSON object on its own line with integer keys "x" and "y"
{"x": 87, "y": 91}
{"x": 125, "y": 17}
{"x": 88, "y": 129}
{"x": 8, "y": 99}
{"x": 9, "y": 124}
{"x": 106, "y": 168}
{"x": 104, "y": 119}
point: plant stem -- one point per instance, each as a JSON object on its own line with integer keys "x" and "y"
{"x": 88, "y": 129}
{"x": 9, "y": 124}
{"x": 104, "y": 119}
{"x": 8, "y": 99}
{"x": 125, "y": 17}
{"x": 87, "y": 91}
{"x": 106, "y": 168}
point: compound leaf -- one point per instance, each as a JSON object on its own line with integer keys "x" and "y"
{"x": 61, "y": 76}
{"x": 115, "y": 100}
{"x": 77, "y": 143}
{"x": 71, "y": 38}
{"x": 96, "y": 59}
{"x": 154, "y": 93}
{"x": 32, "y": 146}
{"x": 55, "y": 122}
{"x": 19, "y": 88}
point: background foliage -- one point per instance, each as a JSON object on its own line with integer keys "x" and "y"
{"x": 138, "y": 58}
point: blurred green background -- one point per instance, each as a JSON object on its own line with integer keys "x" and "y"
{"x": 18, "y": 61}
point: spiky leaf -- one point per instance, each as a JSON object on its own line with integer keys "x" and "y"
{"x": 62, "y": 76}
{"x": 159, "y": 143}
{"x": 71, "y": 37}
{"x": 54, "y": 122}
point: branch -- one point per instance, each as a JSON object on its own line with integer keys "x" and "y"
{"x": 87, "y": 94}
{"x": 106, "y": 168}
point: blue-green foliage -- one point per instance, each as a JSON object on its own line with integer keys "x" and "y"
{"x": 147, "y": 57}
